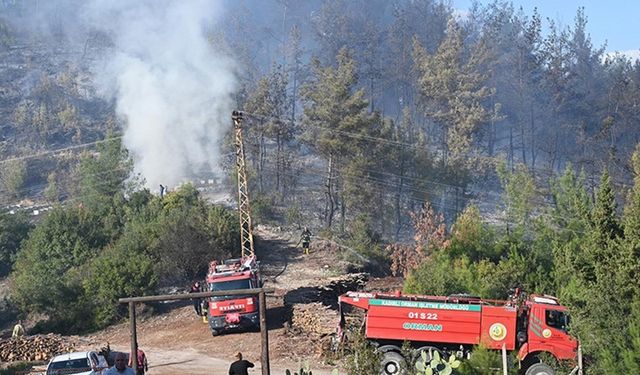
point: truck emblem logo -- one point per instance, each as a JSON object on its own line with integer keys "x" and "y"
{"x": 546, "y": 333}
{"x": 498, "y": 331}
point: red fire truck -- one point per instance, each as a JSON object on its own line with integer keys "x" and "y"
{"x": 233, "y": 311}
{"x": 531, "y": 325}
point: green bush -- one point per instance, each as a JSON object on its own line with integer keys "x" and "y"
{"x": 50, "y": 266}
{"x": 484, "y": 361}
{"x": 117, "y": 273}
{"x": 293, "y": 215}
{"x": 13, "y": 230}
{"x": 365, "y": 246}
{"x": 75, "y": 264}
{"x": 262, "y": 208}
{"x": 363, "y": 357}
{"x": 15, "y": 367}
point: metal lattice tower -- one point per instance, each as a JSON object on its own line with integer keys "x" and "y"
{"x": 244, "y": 210}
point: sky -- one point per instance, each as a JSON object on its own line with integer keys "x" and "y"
{"x": 616, "y": 22}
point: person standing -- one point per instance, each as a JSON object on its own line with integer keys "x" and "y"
{"x": 240, "y": 366}
{"x": 120, "y": 367}
{"x": 305, "y": 238}
{"x": 197, "y": 303}
{"x": 18, "y": 329}
{"x": 143, "y": 365}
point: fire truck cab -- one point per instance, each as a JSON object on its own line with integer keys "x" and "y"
{"x": 233, "y": 311}
{"x": 543, "y": 328}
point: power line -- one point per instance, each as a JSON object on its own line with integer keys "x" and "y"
{"x": 547, "y": 171}
{"x": 49, "y": 152}
{"x": 538, "y": 213}
{"x": 380, "y": 181}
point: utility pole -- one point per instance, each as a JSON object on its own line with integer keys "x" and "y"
{"x": 244, "y": 210}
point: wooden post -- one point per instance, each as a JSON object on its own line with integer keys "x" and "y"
{"x": 186, "y": 296}
{"x": 264, "y": 334}
{"x": 580, "y": 371}
{"x": 505, "y": 370}
{"x": 134, "y": 337}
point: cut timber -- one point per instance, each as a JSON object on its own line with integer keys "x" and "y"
{"x": 314, "y": 319}
{"x": 33, "y": 348}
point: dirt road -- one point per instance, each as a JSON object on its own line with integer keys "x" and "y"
{"x": 178, "y": 342}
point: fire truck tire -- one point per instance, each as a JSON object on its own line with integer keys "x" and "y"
{"x": 388, "y": 348}
{"x": 392, "y": 363}
{"x": 540, "y": 369}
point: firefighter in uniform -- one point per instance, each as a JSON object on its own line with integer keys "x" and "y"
{"x": 197, "y": 302}
{"x": 18, "y": 329}
{"x": 305, "y": 239}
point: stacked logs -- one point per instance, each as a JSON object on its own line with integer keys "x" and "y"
{"x": 326, "y": 294}
{"x": 314, "y": 319}
{"x": 33, "y": 348}
{"x": 313, "y": 313}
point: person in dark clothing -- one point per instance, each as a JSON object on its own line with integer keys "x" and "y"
{"x": 197, "y": 303}
{"x": 240, "y": 366}
{"x": 305, "y": 239}
{"x": 142, "y": 363}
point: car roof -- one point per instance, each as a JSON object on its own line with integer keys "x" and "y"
{"x": 68, "y": 356}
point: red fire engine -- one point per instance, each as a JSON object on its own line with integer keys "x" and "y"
{"x": 237, "y": 311}
{"x": 454, "y": 325}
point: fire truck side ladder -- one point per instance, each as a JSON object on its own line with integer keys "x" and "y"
{"x": 244, "y": 210}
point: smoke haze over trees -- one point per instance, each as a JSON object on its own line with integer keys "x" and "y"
{"x": 375, "y": 120}
{"x": 493, "y": 85}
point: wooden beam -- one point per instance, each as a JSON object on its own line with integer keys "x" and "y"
{"x": 134, "y": 336}
{"x": 264, "y": 334}
{"x": 181, "y": 296}
{"x": 261, "y": 292}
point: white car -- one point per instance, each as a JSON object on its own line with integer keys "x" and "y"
{"x": 79, "y": 363}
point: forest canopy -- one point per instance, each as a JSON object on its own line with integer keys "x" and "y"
{"x": 467, "y": 154}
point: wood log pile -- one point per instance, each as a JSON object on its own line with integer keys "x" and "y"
{"x": 310, "y": 330}
{"x": 314, "y": 319}
{"x": 327, "y": 294}
{"x": 313, "y": 314}
{"x": 33, "y": 348}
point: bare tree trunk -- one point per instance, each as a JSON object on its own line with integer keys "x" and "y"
{"x": 533, "y": 140}
{"x": 343, "y": 212}
{"x": 511, "y": 151}
{"x": 278, "y": 160}
{"x": 554, "y": 152}
{"x": 399, "y": 196}
{"x": 294, "y": 94}
{"x": 261, "y": 163}
{"x": 329, "y": 202}
{"x": 445, "y": 147}
{"x": 522, "y": 142}
{"x": 521, "y": 108}
{"x": 371, "y": 84}
{"x": 492, "y": 136}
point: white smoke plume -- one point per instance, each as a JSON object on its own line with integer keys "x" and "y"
{"x": 172, "y": 90}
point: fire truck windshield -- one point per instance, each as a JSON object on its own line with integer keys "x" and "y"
{"x": 557, "y": 319}
{"x": 229, "y": 285}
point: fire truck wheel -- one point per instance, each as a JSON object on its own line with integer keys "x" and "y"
{"x": 392, "y": 364}
{"x": 540, "y": 369}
